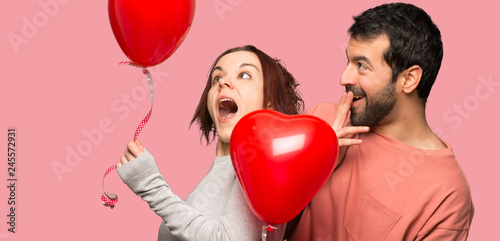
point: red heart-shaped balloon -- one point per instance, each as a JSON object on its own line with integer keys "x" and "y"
{"x": 149, "y": 31}
{"x": 282, "y": 161}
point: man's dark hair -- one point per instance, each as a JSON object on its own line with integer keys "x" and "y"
{"x": 414, "y": 40}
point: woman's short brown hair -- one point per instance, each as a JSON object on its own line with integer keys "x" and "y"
{"x": 280, "y": 90}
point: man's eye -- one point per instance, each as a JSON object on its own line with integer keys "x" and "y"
{"x": 245, "y": 76}
{"x": 361, "y": 66}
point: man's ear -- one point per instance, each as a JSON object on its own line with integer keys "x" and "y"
{"x": 412, "y": 78}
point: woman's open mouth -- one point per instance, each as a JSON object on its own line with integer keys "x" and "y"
{"x": 227, "y": 109}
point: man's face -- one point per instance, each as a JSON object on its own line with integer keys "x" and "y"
{"x": 368, "y": 76}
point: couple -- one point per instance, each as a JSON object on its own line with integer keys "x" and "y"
{"x": 394, "y": 180}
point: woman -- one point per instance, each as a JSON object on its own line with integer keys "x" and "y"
{"x": 242, "y": 80}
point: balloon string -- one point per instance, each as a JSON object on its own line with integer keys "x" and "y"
{"x": 146, "y": 118}
{"x": 265, "y": 229}
{"x": 110, "y": 199}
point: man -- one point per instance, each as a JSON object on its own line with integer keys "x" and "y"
{"x": 402, "y": 182}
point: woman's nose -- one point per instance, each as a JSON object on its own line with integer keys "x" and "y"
{"x": 226, "y": 81}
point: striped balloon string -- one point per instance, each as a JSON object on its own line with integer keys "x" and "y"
{"x": 265, "y": 229}
{"x": 110, "y": 199}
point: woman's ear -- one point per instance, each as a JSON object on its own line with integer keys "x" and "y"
{"x": 412, "y": 78}
{"x": 269, "y": 106}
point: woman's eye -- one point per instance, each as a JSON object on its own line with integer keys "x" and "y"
{"x": 245, "y": 76}
{"x": 216, "y": 79}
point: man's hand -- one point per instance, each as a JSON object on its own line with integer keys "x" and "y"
{"x": 344, "y": 130}
{"x": 134, "y": 149}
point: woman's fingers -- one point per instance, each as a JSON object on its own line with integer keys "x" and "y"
{"x": 128, "y": 155}
{"x": 123, "y": 161}
{"x": 141, "y": 148}
{"x": 134, "y": 149}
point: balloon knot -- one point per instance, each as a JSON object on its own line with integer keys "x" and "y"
{"x": 129, "y": 63}
{"x": 271, "y": 227}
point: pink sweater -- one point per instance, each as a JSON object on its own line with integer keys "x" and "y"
{"x": 387, "y": 190}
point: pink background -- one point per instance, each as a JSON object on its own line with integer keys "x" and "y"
{"x": 64, "y": 80}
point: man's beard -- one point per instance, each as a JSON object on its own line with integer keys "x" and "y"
{"x": 376, "y": 108}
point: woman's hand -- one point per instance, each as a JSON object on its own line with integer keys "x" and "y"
{"x": 134, "y": 149}
{"x": 344, "y": 130}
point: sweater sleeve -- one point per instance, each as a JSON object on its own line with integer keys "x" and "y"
{"x": 185, "y": 222}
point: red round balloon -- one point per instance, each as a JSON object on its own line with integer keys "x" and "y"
{"x": 149, "y": 31}
{"x": 282, "y": 161}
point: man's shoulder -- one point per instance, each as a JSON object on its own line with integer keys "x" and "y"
{"x": 324, "y": 110}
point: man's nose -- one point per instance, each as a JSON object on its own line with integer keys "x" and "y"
{"x": 348, "y": 77}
